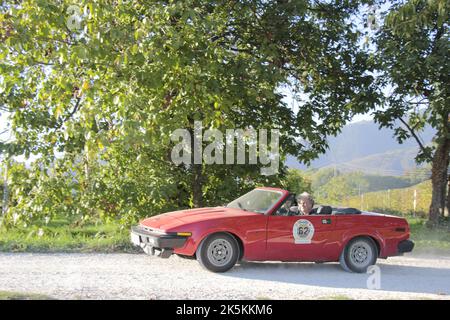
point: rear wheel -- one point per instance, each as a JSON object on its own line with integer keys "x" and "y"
{"x": 218, "y": 252}
{"x": 358, "y": 255}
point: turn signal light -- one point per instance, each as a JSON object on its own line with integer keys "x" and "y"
{"x": 184, "y": 234}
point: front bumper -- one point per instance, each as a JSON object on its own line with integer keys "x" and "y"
{"x": 405, "y": 246}
{"x": 160, "y": 244}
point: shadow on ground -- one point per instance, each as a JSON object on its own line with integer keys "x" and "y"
{"x": 400, "y": 278}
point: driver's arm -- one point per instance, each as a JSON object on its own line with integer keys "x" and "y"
{"x": 294, "y": 211}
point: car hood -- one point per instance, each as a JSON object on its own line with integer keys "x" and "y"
{"x": 177, "y": 218}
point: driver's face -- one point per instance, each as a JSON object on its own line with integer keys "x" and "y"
{"x": 305, "y": 206}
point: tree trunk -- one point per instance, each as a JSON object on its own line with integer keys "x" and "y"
{"x": 196, "y": 168}
{"x": 5, "y": 193}
{"x": 448, "y": 196}
{"x": 439, "y": 181}
{"x": 197, "y": 183}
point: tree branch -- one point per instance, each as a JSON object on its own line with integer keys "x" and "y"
{"x": 413, "y": 133}
{"x": 74, "y": 110}
{"x": 438, "y": 36}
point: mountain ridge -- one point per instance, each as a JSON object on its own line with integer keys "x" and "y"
{"x": 363, "y": 146}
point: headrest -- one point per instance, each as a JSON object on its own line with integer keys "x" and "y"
{"x": 324, "y": 210}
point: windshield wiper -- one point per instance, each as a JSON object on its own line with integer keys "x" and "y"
{"x": 241, "y": 207}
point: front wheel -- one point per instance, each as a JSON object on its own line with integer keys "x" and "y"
{"x": 218, "y": 252}
{"x": 358, "y": 255}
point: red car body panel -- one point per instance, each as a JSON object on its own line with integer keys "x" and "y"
{"x": 270, "y": 237}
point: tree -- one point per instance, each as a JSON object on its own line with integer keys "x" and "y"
{"x": 414, "y": 64}
{"x": 103, "y": 84}
{"x": 448, "y": 195}
{"x": 296, "y": 182}
{"x": 340, "y": 187}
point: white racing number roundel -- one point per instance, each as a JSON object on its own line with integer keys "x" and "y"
{"x": 303, "y": 231}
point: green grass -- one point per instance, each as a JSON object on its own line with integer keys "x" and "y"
{"x": 7, "y": 295}
{"x": 425, "y": 239}
{"x": 64, "y": 236}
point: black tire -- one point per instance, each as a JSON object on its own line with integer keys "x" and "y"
{"x": 358, "y": 255}
{"x": 218, "y": 252}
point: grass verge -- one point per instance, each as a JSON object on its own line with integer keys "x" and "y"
{"x": 429, "y": 240}
{"x": 66, "y": 236}
{"x": 7, "y": 295}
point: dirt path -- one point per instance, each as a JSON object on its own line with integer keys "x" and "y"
{"x": 137, "y": 276}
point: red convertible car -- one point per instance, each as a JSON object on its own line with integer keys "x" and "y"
{"x": 259, "y": 226}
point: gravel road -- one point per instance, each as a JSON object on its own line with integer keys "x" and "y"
{"x": 137, "y": 276}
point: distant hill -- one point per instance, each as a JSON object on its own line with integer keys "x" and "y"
{"x": 395, "y": 201}
{"x": 364, "y": 182}
{"x": 335, "y": 187}
{"x": 362, "y": 146}
{"x": 392, "y": 162}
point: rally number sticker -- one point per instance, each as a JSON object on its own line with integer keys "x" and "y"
{"x": 303, "y": 231}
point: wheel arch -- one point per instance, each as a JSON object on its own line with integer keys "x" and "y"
{"x": 231, "y": 233}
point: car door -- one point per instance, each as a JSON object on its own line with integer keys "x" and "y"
{"x": 300, "y": 237}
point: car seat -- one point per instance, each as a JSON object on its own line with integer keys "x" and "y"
{"x": 324, "y": 210}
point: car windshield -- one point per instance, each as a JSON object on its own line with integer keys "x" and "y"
{"x": 258, "y": 200}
